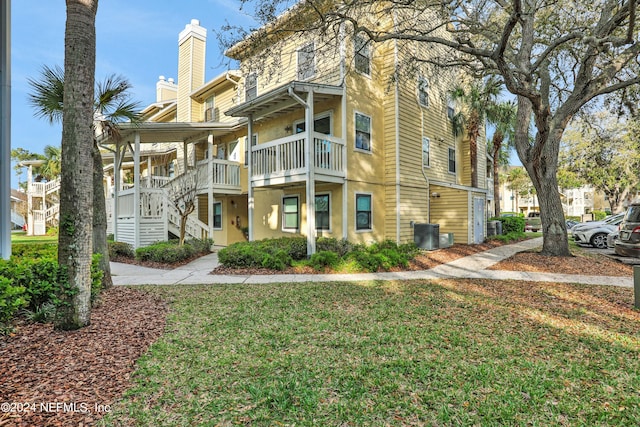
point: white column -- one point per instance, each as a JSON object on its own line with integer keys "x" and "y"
{"x": 136, "y": 192}
{"x": 30, "y": 201}
{"x": 149, "y": 172}
{"x": 311, "y": 179}
{"x": 250, "y": 175}
{"x": 116, "y": 190}
{"x": 345, "y": 186}
{"x": 5, "y": 129}
{"x": 185, "y": 160}
{"x": 210, "y": 185}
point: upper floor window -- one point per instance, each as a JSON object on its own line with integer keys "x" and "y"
{"x": 425, "y": 151}
{"x": 423, "y": 92}
{"x": 363, "y": 132}
{"x": 306, "y": 62}
{"x": 362, "y": 54}
{"x": 209, "y": 114}
{"x": 452, "y": 160}
{"x": 251, "y": 87}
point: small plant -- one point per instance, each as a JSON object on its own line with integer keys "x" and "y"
{"x": 512, "y": 224}
{"x": 323, "y": 259}
{"x": 120, "y": 249}
{"x": 170, "y": 252}
{"x": 12, "y": 299}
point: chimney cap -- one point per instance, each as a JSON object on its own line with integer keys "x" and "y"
{"x": 161, "y": 78}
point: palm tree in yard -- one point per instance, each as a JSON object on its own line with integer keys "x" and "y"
{"x": 503, "y": 116}
{"x": 477, "y": 101}
{"x": 111, "y": 106}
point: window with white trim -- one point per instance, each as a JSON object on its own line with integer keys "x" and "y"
{"x": 363, "y": 132}
{"x": 425, "y": 151}
{"x": 290, "y": 213}
{"x": 452, "y": 160}
{"x": 362, "y": 54}
{"x": 363, "y": 212}
{"x": 306, "y": 62}
{"x": 209, "y": 111}
{"x": 323, "y": 212}
{"x": 423, "y": 91}
{"x": 251, "y": 87}
{"x": 217, "y": 215}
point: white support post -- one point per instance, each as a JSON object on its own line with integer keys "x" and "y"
{"x": 185, "y": 158}
{"x": 5, "y": 129}
{"x": 210, "y": 185}
{"x": 345, "y": 186}
{"x": 136, "y": 192}
{"x": 250, "y": 176}
{"x": 311, "y": 179}
{"x": 149, "y": 177}
{"x": 30, "y": 222}
{"x": 116, "y": 190}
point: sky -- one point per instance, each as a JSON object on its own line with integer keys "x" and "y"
{"x": 137, "y": 39}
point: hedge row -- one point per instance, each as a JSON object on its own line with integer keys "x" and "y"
{"x": 163, "y": 252}
{"x": 278, "y": 254}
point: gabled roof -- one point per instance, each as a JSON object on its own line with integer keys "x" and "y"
{"x": 284, "y": 99}
{"x": 231, "y": 76}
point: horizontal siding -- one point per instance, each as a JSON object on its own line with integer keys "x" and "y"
{"x": 451, "y": 211}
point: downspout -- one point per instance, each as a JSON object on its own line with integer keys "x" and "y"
{"x": 250, "y": 175}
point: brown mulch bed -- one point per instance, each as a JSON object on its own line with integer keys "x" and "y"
{"x": 47, "y": 368}
{"x": 583, "y": 264}
{"x": 153, "y": 264}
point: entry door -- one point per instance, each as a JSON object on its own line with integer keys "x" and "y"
{"x": 478, "y": 220}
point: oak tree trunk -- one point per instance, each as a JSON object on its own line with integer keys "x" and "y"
{"x": 76, "y": 187}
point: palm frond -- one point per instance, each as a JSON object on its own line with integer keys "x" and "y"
{"x": 47, "y": 93}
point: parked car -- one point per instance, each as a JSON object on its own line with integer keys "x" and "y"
{"x": 612, "y": 237}
{"x": 570, "y": 223}
{"x": 628, "y": 243}
{"x": 532, "y": 222}
{"x": 586, "y": 225}
{"x": 595, "y": 236}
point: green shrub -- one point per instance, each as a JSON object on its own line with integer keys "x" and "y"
{"x": 322, "y": 259}
{"x": 264, "y": 253}
{"x": 599, "y": 215}
{"x": 339, "y": 247}
{"x": 277, "y": 261}
{"x": 513, "y": 236}
{"x": 170, "y": 252}
{"x": 512, "y": 224}
{"x": 240, "y": 255}
{"x": 34, "y": 250}
{"x": 120, "y": 249}
{"x": 12, "y": 299}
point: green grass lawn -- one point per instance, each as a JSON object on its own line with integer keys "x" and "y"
{"x": 23, "y": 238}
{"x": 441, "y": 353}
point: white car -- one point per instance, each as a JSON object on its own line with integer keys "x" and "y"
{"x": 617, "y": 219}
{"x": 596, "y": 234}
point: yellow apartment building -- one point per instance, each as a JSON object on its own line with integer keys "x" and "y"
{"x": 305, "y": 138}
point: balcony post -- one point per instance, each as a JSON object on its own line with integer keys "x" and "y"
{"x": 210, "y": 184}
{"x": 250, "y": 175}
{"x": 136, "y": 192}
{"x": 311, "y": 179}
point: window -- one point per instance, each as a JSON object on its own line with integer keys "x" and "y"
{"x": 251, "y": 87}
{"x": 290, "y": 213}
{"x": 306, "y": 62}
{"x": 425, "y": 151}
{"x": 451, "y": 112}
{"x": 452, "y": 160}
{"x": 217, "y": 215}
{"x": 423, "y": 92}
{"x": 254, "y": 141}
{"x": 321, "y": 124}
{"x": 323, "y": 214}
{"x": 363, "y": 212}
{"x": 363, "y": 132}
{"x": 362, "y": 54}
{"x": 209, "y": 114}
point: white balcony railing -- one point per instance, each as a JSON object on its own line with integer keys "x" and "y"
{"x": 287, "y": 157}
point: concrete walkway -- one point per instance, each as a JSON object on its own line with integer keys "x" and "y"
{"x": 470, "y": 267}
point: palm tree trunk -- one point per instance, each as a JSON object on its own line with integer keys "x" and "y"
{"x": 76, "y": 188}
{"x": 100, "y": 245}
{"x": 497, "y": 145}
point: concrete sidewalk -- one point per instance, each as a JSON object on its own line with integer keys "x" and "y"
{"x": 470, "y": 267}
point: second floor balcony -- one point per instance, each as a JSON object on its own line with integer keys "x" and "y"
{"x": 286, "y": 160}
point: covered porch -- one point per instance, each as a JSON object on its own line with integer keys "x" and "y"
{"x": 308, "y": 156}
{"x": 139, "y": 211}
